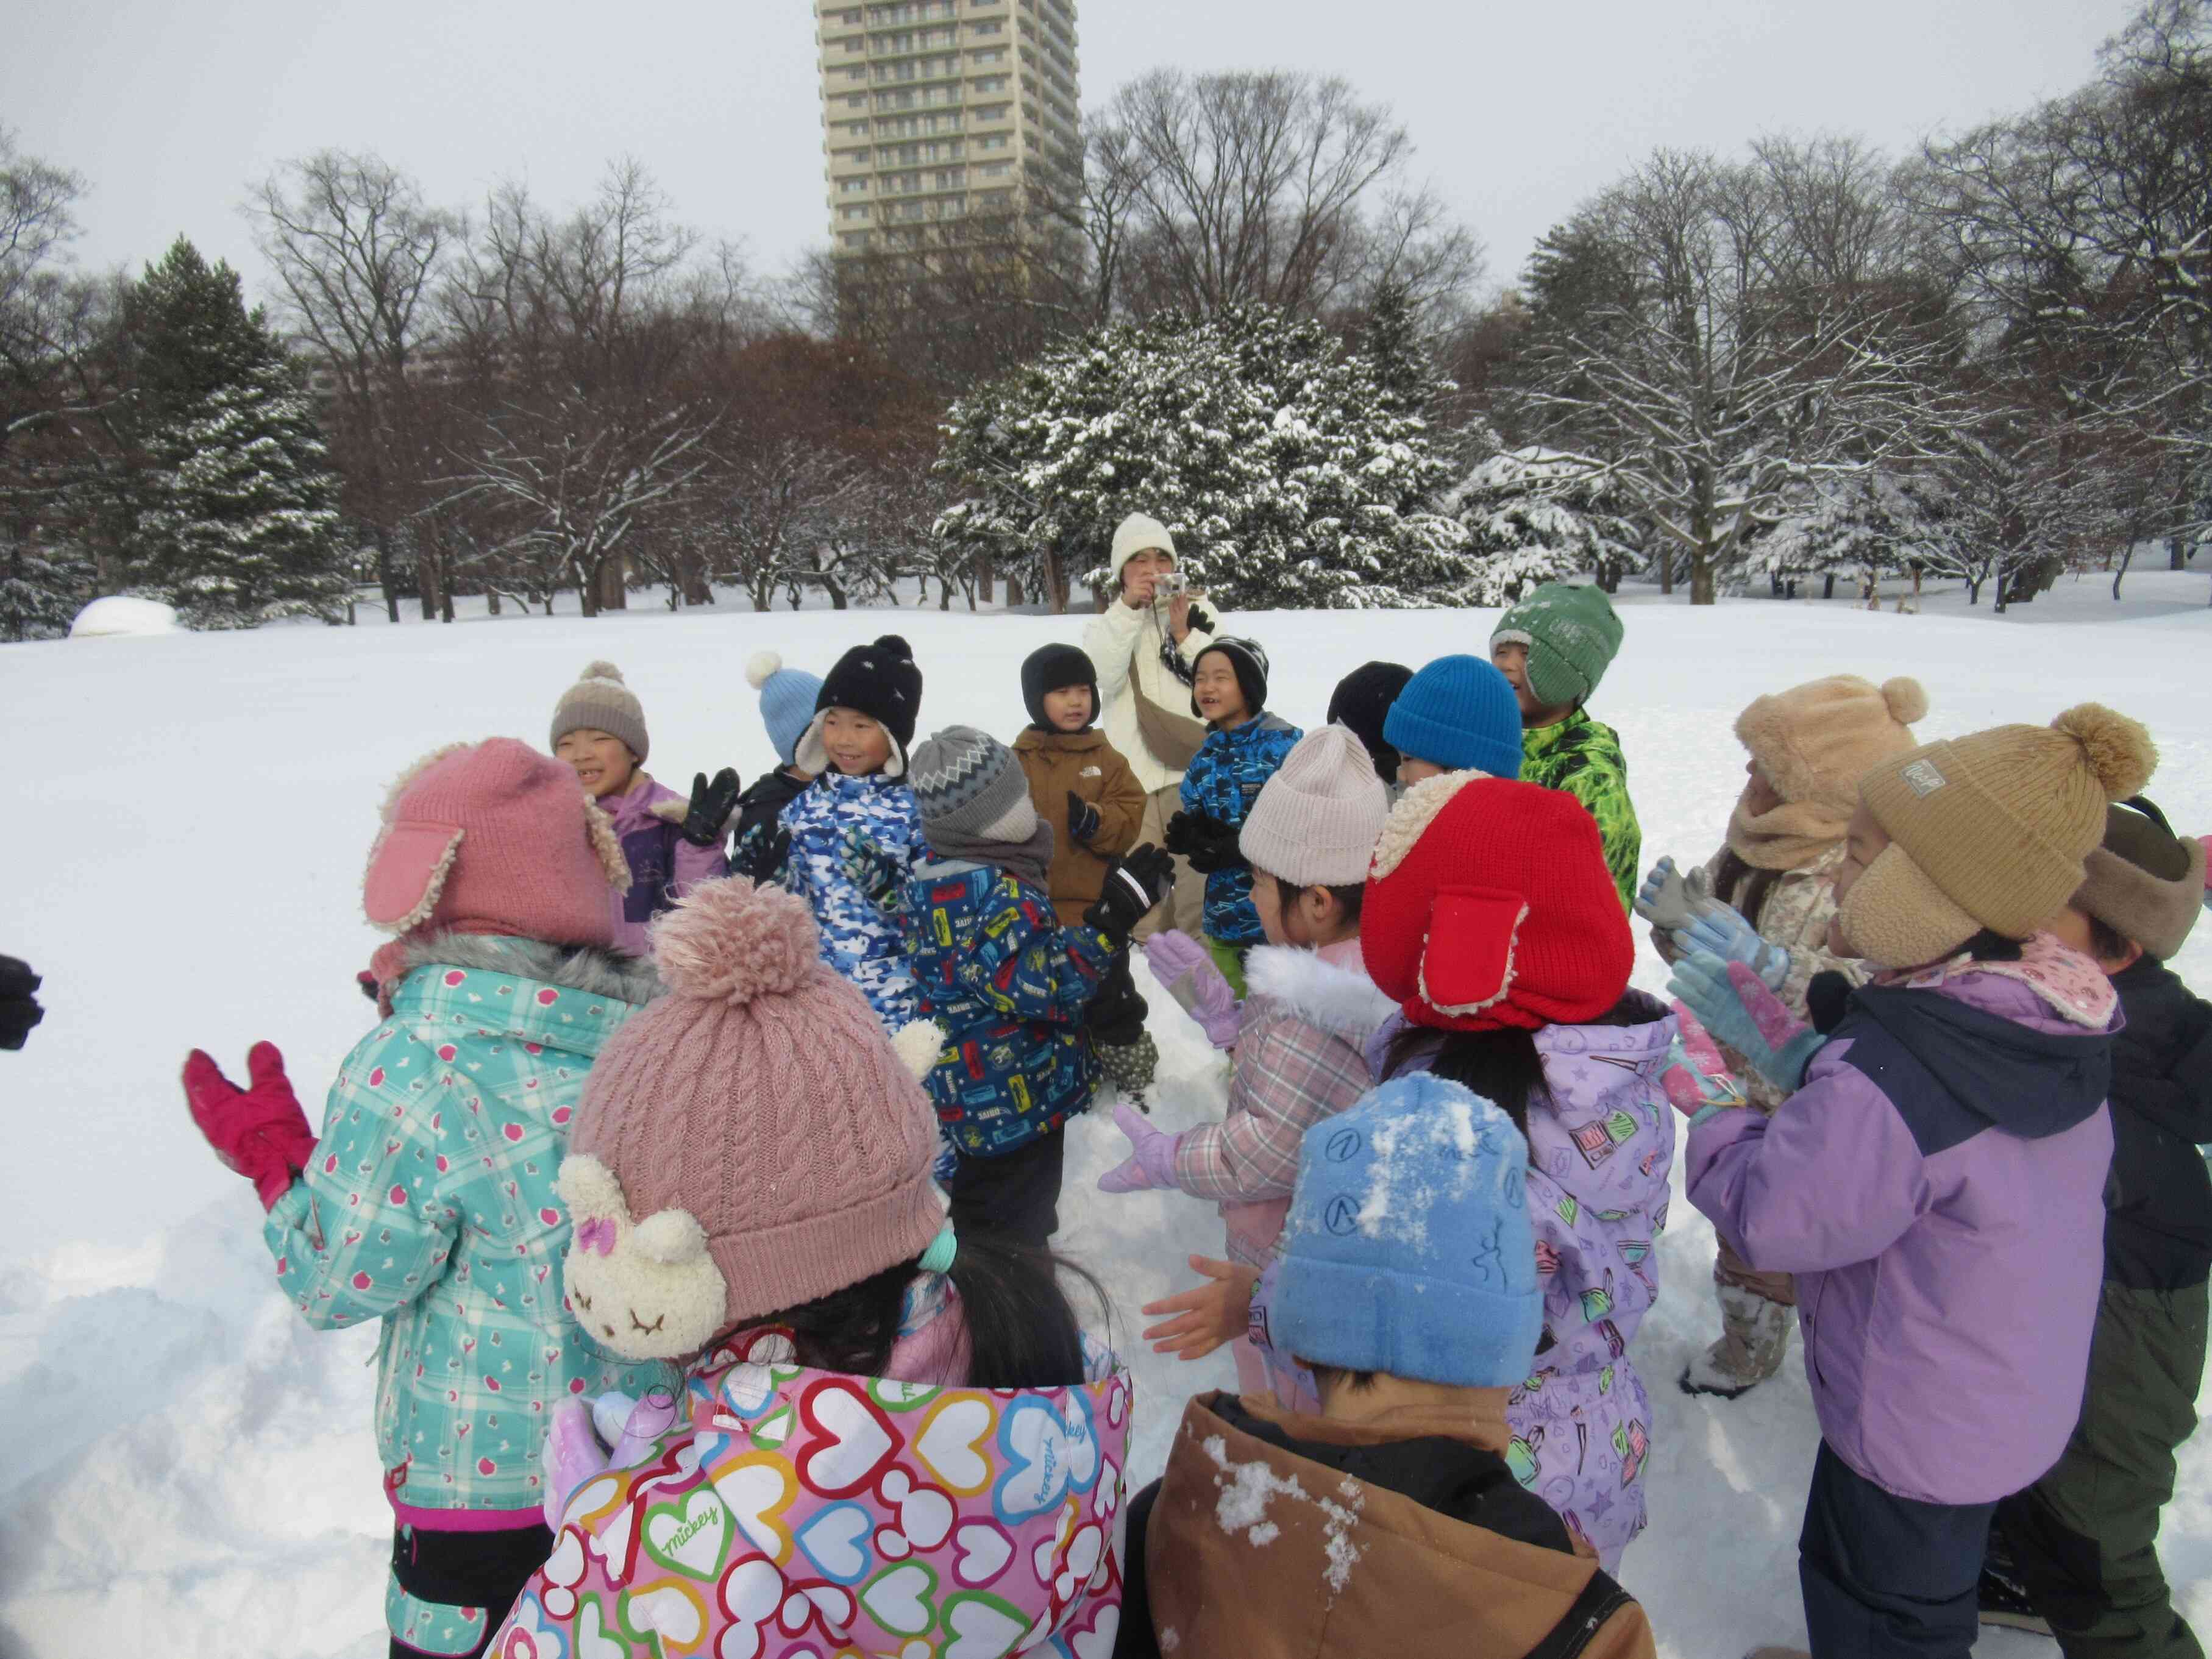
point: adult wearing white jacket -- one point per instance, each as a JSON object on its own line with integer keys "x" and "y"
{"x": 1143, "y": 646}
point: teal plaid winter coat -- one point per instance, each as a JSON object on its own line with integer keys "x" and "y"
{"x": 1010, "y": 986}
{"x": 429, "y": 1204}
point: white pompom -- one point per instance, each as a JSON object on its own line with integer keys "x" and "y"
{"x": 670, "y": 1236}
{"x": 760, "y": 665}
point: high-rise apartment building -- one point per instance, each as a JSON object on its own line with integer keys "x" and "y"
{"x": 937, "y": 111}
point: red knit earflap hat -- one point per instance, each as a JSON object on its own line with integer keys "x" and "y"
{"x": 1489, "y": 908}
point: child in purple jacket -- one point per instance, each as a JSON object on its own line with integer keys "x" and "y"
{"x": 1935, "y": 1178}
{"x": 598, "y": 728}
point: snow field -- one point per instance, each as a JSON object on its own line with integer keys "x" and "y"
{"x": 191, "y": 1470}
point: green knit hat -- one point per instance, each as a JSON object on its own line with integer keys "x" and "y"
{"x": 1571, "y": 634}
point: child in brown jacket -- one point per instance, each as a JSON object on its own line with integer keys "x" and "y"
{"x": 1079, "y": 782}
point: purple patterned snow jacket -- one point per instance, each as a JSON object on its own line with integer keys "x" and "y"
{"x": 1937, "y": 1187}
{"x": 1600, "y": 1142}
{"x": 663, "y": 865}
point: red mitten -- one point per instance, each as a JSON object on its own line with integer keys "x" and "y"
{"x": 259, "y": 1131}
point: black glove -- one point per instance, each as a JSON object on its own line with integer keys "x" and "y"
{"x": 1116, "y": 1015}
{"x": 366, "y": 979}
{"x": 1134, "y": 886}
{"x": 1182, "y": 834}
{"x": 1200, "y": 619}
{"x": 1214, "y": 845}
{"x": 1082, "y": 818}
{"x": 19, "y": 1009}
{"x": 711, "y": 805}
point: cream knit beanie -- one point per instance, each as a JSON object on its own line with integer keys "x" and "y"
{"x": 1131, "y": 536}
{"x": 1317, "y": 819}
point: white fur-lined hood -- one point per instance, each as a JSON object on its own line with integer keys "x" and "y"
{"x": 1336, "y": 998}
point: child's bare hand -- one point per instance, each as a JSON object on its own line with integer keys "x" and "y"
{"x": 1205, "y": 1317}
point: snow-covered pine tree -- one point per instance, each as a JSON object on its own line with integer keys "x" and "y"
{"x": 1537, "y": 515}
{"x": 244, "y": 525}
{"x": 42, "y": 587}
{"x": 1265, "y": 447}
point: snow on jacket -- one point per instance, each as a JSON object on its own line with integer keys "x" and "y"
{"x": 1225, "y": 777}
{"x": 757, "y": 823}
{"x": 1582, "y": 757}
{"x": 1083, "y": 762}
{"x": 2157, "y": 1232}
{"x": 429, "y": 1203}
{"x": 663, "y": 865}
{"x": 1124, "y": 645}
{"x": 1600, "y": 1142}
{"x": 858, "y": 940}
{"x": 1794, "y": 914}
{"x": 1010, "y": 986}
{"x": 1301, "y": 1056}
{"x": 1278, "y": 1535}
{"x": 793, "y": 1511}
{"x": 1937, "y": 1187}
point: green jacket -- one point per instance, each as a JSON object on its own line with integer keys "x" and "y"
{"x": 429, "y": 1204}
{"x": 1582, "y": 757}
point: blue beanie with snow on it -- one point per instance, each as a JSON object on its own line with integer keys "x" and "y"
{"x": 1408, "y": 1248}
{"x": 1461, "y": 714}
{"x": 786, "y": 701}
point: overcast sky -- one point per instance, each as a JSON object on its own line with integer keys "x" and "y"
{"x": 171, "y": 108}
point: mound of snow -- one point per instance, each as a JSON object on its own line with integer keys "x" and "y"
{"x": 120, "y": 618}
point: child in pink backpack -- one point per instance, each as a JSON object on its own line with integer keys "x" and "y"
{"x": 888, "y": 1439}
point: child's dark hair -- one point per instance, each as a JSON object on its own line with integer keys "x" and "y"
{"x": 2107, "y": 942}
{"x": 1323, "y": 1376}
{"x": 1991, "y": 946}
{"x": 1022, "y": 1332}
{"x": 1349, "y": 898}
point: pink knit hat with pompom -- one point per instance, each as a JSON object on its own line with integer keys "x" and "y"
{"x": 761, "y": 1096}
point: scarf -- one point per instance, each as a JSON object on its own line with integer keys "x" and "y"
{"x": 1027, "y": 860}
{"x": 1788, "y": 837}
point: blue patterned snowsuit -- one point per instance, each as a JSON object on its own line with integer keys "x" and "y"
{"x": 1225, "y": 778}
{"x": 1010, "y": 986}
{"x": 858, "y": 940}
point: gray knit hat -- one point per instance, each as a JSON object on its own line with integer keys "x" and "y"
{"x": 967, "y": 783}
{"x": 601, "y": 703}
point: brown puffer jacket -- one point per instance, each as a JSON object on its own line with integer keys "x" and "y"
{"x": 1057, "y": 761}
{"x": 1279, "y": 1536}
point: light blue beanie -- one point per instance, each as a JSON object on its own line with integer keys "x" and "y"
{"x": 786, "y": 701}
{"x": 1461, "y": 714}
{"x": 1407, "y": 1250}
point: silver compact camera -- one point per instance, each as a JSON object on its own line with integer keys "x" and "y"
{"x": 1168, "y": 584}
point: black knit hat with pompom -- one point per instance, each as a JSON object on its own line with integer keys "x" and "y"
{"x": 881, "y": 681}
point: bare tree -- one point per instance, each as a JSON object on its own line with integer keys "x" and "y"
{"x": 1210, "y": 190}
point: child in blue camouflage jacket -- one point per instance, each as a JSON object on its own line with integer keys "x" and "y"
{"x": 1242, "y": 752}
{"x": 857, "y": 820}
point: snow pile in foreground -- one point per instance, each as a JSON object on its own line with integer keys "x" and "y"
{"x": 191, "y": 1471}
{"x": 118, "y": 617}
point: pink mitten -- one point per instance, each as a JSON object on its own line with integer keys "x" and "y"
{"x": 1697, "y": 1077}
{"x": 1152, "y": 1162}
{"x": 259, "y": 1131}
{"x": 572, "y": 1456}
{"x": 1186, "y": 968}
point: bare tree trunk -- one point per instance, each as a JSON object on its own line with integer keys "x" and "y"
{"x": 2127, "y": 557}
{"x": 614, "y": 588}
{"x": 2175, "y": 558}
{"x": 491, "y": 600}
{"x": 1014, "y": 592}
{"x": 385, "y": 577}
{"x": 984, "y": 577}
{"x": 1665, "y": 566}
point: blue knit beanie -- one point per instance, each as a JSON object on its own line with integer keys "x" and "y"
{"x": 1407, "y": 1250}
{"x": 1459, "y": 713}
{"x": 786, "y": 701}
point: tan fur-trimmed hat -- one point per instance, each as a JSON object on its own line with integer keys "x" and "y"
{"x": 2145, "y": 883}
{"x": 1815, "y": 741}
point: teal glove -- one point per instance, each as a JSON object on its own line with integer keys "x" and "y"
{"x": 1735, "y": 1006}
{"x": 878, "y": 874}
{"x": 1720, "y": 932}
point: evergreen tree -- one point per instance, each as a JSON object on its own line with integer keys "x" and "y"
{"x": 245, "y": 525}
{"x": 1539, "y": 515}
{"x": 41, "y": 587}
{"x": 1267, "y": 449}
{"x": 190, "y": 335}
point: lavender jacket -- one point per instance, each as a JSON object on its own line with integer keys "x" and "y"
{"x": 1937, "y": 1187}
{"x": 663, "y": 865}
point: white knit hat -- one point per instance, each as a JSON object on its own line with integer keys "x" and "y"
{"x": 1316, "y": 822}
{"x": 1135, "y": 534}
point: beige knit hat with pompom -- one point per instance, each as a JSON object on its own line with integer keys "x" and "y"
{"x": 1988, "y": 831}
{"x": 1815, "y": 741}
{"x": 749, "y": 1142}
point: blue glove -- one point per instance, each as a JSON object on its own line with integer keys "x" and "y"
{"x": 1720, "y": 932}
{"x": 1732, "y": 1003}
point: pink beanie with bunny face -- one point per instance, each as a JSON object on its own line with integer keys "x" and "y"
{"x": 494, "y": 837}
{"x": 749, "y": 1142}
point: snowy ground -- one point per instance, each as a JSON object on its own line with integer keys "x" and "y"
{"x": 190, "y": 1471}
